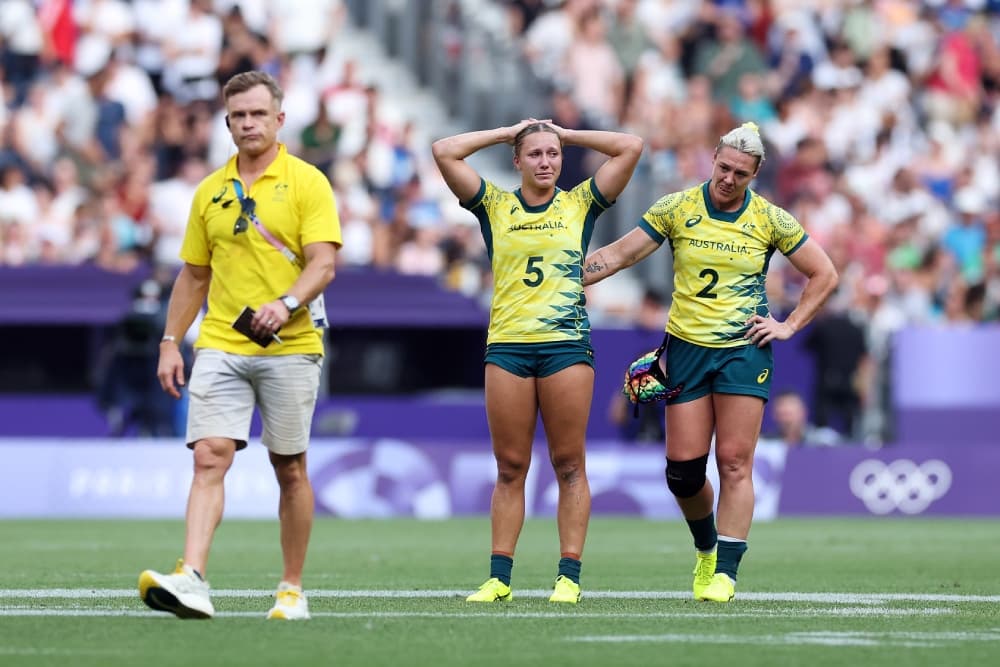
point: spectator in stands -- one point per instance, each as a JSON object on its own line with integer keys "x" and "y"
{"x": 192, "y": 52}
{"x": 720, "y": 359}
{"x": 566, "y": 113}
{"x": 805, "y": 170}
{"x": 791, "y": 62}
{"x": 239, "y": 46}
{"x": 751, "y": 104}
{"x": 793, "y": 428}
{"x": 725, "y": 59}
{"x": 954, "y": 88}
{"x": 17, "y": 202}
{"x": 128, "y": 392}
{"x": 592, "y": 68}
{"x": 266, "y": 224}
{"x": 658, "y": 88}
{"x": 319, "y": 140}
{"x": 549, "y": 37}
{"x": 168, "y": 207}
{"x": 304, "y": 28}
{"x": 34, "y": 129}
{"x": 629, "y": 37}
{"x": 21, "y": 45}
{"x": 522, "y": 13}
{"x": 966, "y": 240}
{"x": 538, "y": 354}
{"x": 836, "y": 342}
{"x": 965, "y": 304}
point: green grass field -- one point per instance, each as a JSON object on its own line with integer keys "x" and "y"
{"x": 864, "y": 592}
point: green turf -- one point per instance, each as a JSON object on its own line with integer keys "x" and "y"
{"x": 100, "y": 561}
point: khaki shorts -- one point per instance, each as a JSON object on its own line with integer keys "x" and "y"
{"x": 225, "y": 388}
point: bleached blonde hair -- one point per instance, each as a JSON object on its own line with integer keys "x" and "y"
{"x": 745, "y": 139}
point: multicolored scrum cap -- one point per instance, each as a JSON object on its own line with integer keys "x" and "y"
{"x": 645, "y": 381}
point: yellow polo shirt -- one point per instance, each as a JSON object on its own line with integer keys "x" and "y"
{"x": 295, "y": 202}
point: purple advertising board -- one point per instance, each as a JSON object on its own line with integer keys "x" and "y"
{"x": 352, "y": 478}
{"x": 944, "y": 383}
{"x": 375, "y": 478}
{"x": 948, "y": 479}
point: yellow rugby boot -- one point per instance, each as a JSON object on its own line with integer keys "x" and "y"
{"x": 566, "y": 590}
{"x": 722, "y": 589}
{"x": 492, "y": 590}
{"x": 704, "y": 570}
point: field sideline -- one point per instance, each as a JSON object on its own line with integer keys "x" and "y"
{"x": 818, "y": 592}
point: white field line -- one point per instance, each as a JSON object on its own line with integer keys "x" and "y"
{"x": 67, "y": 652}
{"x": 493, "y": 613}
{"x": 818, "y": 598}
{"x": 821, "y": 638}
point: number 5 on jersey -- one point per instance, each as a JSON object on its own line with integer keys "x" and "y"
{"x": 533, "y": 271}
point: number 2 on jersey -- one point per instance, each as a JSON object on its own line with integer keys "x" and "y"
{"x": 713, "y": 279}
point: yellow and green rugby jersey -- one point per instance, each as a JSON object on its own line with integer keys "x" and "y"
{"x": 720, "y": 261}
{"x": 537, "y": 254}
{"x": 295, "y": 202}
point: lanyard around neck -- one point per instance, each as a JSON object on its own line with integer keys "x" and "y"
{"x": 248, "y": 209}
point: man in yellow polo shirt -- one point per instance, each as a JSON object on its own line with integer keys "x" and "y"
{"x": 262, "y": 236}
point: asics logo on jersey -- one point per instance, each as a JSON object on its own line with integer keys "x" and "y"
{"x": 513, "y": 209}
{"x": 763, "y": 376}
{"x": 691, "y": 222}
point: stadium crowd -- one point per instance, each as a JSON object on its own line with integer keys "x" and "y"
{"x": 880, "y": 118}
{"x": 113, "y": 115}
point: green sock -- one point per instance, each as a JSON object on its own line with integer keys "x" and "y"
{"x": 500, "y": 567}
{"x": 730, "y": 554}
{"x": 704, "y": 533}
{"x": 570, "y": 568}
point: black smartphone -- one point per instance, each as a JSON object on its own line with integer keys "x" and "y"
{"x": 242, "y": 324}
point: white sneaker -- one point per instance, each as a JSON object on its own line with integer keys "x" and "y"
{"x": 183, "y": 593}
{"x": 290, "y": 604}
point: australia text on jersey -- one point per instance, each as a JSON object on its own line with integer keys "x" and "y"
{"x": 719, "y": 245}
{"x": 538, "y": 226}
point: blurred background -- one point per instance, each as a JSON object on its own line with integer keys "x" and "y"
{"x": 882, "y": 127}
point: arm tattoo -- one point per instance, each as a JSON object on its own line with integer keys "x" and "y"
{"x": 594, "y": 266}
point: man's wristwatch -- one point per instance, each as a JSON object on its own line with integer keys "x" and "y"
{"x": 291, "y": 303}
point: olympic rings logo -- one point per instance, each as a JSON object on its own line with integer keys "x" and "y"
{"x": 901, "y": 485}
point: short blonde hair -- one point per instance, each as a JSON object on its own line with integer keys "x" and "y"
{"x": 745, "y": 139}
{"x": 244, "y": 81}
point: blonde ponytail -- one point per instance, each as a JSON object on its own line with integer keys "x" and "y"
{"x": 745, "y": 139}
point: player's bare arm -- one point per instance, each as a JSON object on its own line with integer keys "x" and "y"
{"x": 813, "y": 262}
{"x": 450, "y": 153}
{"x": 623, "y": 150}
{"x": 621, "y": 254}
